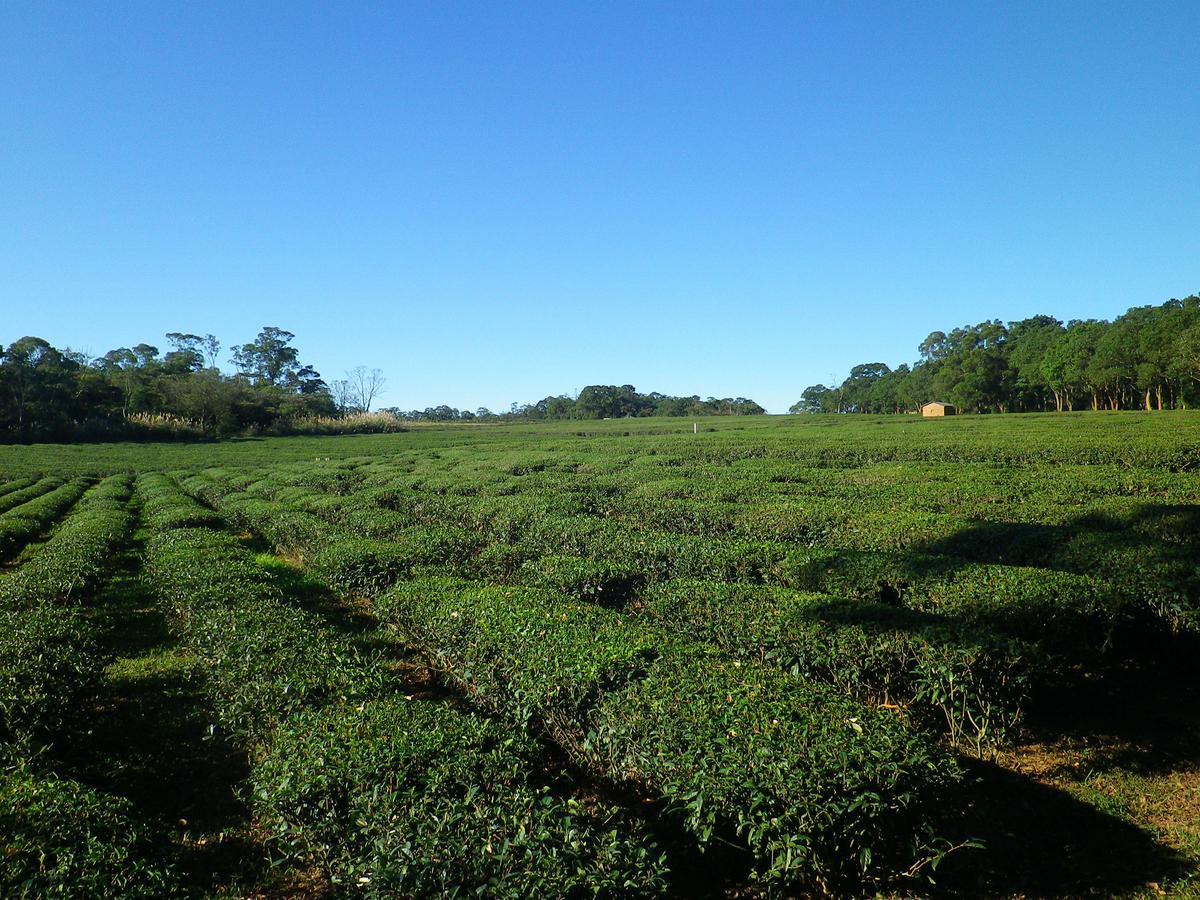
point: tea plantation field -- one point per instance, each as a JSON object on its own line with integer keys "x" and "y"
{"x": 777, "y": 657}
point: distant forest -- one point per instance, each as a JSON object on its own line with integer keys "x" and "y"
{"x": 52, "y": 394}
{"x": 48, "y": 394}
{"x": 596, "y": 401}
{"x": 1149, "y": 358}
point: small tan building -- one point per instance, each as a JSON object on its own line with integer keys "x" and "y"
{"x": 937, "y": 408}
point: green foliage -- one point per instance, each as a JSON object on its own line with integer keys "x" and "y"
{"x": 1144, "y": 359}
{"x": 382, "y": 795}
{"x": 165, "y": 506}
{"x": 47, "y": 655}
{"x": 15, "y": 484}
{"x": 263, "y": 659}
{"x": 813, "y": 784}
{"x": 598, "y": 581}
{"x": 402, "y": 796}
{"x": 47, "y": 661}
{"x": 78, "y": 553}
{"x": 702, "y": 621}
{"x": 60, "y": 838}
{"x": 969, "y": 681}
{"x": 24, "y": 495}
{"x": 365, "y": 566}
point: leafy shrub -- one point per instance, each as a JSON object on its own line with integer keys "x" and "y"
{"x": 47, "y": 660}
{"x": 166, "y": 506}
{"x": 59, "y": 838}
{"x": 78, "y": 553}
{"x": 25, "y": 521}
{"x": 815, "y": 785}
{"x": 263, "y": 659}
{"x": 412, "y": 798}
{"x": 364, "y": 567}
{"x": 972, "y": 682}
{"x": 24, "y": 495}
{"x": 15, "y": 484}
{"x": 597, "y": 581}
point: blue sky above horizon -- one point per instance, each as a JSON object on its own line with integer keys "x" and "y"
{"x": 493, "y": 202}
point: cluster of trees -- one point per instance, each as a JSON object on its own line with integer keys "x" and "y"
{"x": 596, "y": 401}
{"x": 52, "y": 394}
{"x": 1148, "y": 358}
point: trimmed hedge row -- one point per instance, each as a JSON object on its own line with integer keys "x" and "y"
{"x": 387, "y": 794}
{"x": 401, "y": 797}
{"x": 47, "y": 656}
{"x": 351, "y": 565}
{"x": 24, "y": 495}
{"x": 21, "y": 524}
{"x": 15, "y": 484}
{"x": 563, "y": 666}
{"x": 967, "y": 681}
{"x": 60, "y": 838}
{"x": 164, "y": 506}
{"x": 262, "y": 660}
{"x": 813, "y": 785}
{"x": 1059, "y": 611}
{"x": 47, "y": 660}
{"x": 78, "y": 553}
{"x": 972, "y": 680}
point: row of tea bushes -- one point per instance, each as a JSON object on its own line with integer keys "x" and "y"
{"x": 1137, "y": 561}
{"x": 348, "y": 563}
{"x": 47, "y": 654}
{"x": 25, "y": 494}
{"x": 1016, "y": 626}
{"x": 1061, "y": 612}
{"x": 816, "y": 787}
{"x": 15, "y": 484}
{"x": 389, "y": 795}
{"x": 23, "y": 523}
{"x": 164, "y": 506}
{"x": 79, "y": 552}
{"x": 966, "y": 681}
{"x": 62, "y": 838}
{"x": 974, "y": 680}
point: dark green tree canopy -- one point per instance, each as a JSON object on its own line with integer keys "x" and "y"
{"x": 1148, "y": 358}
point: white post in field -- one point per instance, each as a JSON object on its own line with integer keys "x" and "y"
{"x": 695, "y": 428}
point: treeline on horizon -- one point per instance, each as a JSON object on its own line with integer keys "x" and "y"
{"x": 52, "y": 394}
{"x": 140, "y": 391}
{"x": 1148, "y": 358}
{"x": 596, "y": 401}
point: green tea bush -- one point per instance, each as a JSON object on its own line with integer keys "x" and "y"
{"x": 969, "y": 682}
{"x": 45, "y": 508}
{"x": 365, "y": 567}
{"x": 1067, "y": 612}
{"x": 386, "y": 797}
{"x": 15, "y": 484}
{"x": 78, "y": 553}
{"x": 818, "y": 788}
{"x": 60, "y": 838}
{"x": 262, "y": 658}
{"x": 47, "y": 661}
{"x": 25, "y": 494}
{"x": 396, "y": 796}
{"x": 596, "y": 581}
{"x": 166, "y": 506}
{"x": 814, "y": 785}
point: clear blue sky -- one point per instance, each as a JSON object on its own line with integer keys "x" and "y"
{"x": 497, "y": 201}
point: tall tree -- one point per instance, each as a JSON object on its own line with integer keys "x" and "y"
{"x": 366, "y": 385}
